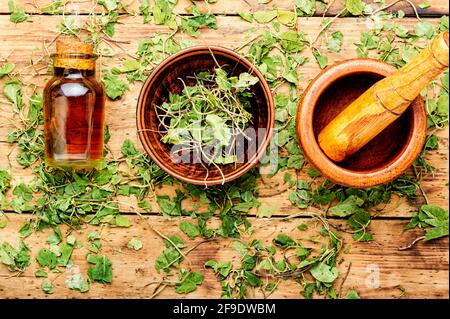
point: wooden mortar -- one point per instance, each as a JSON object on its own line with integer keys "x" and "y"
{"x": 385, "y": 157}
{"x": 384, "y": 102}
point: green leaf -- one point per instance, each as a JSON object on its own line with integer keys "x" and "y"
{"x": 56, "y": 237}
{"x": 78, "y": 282}
{"x": 13, "y": 92}
{"x": 362, "y": 236}
{"x": 424, "y": 29}
{"x": 436, "y": 232}
{"x": 17, "y": 15}
{"x": 442, "y": 105}
{"x": 6, "y": 69}
{"x": 264, "y": 16}
{"x": 122, "y": 221}
{"x": 245, "y": 80}
{"x": 46, "y": 258}
{"x": 348, "y": 207}
{"x": 47, "y": 287}
{"x": 321, "y": 59}
{"x": 265, "y": 210}
{"x": 53, "y": 8}
{"x": 240, "y": 248}
{"x": 40, "y": 273}
{"x": 302, "y": 253}
{"x": 167, "y": 206}
{"x": 15, "y": 259}
{"x": 288, "y": 18}
{"x": 93, "y": 235}
{"x": 5, "y": 180}
{"x": 192, "y": 24}
{"x": 296, "y": 161}
{"x": 114, "y": 86}
{"x": 188, "y": 282}
{"x": 424, "y": 4}
{"x": 71, "y": 240}
{"x": 102, "y": 269}
{"x": 144, "y": 8}
{"x": 253, "y": 279}
{"x": 284, "y": 241}
{"x": 70, "y": 26}
{"x": 220, "y": 129}
{"x": 352, "y": 294}
{"x": 247, "y": 16}
{"x": 128, "y": 148}
{"x": 135, "y": 244}
{"x": 66, "y": 252}
{"x": 145, "y": 205}
{"x": 433, "y": 215}
{"x": 292, "y": 42}
{"x": 248, "y": 262}
{"x": 305, "y": 7}
{"x": 308, "y": 290}
{"x": 109, "y": 5}
{"x": 130, "y": 65}
{"x": 25, "y": 230}
{"x": 162, "y": 13}
{"x": 23, "y": 191}
{"x": 169, "y": 257}
{"x": 324, "y": 273}
{"x": 190, "y": 230}
{"x": 221, "y": 269}
{"x": 335, "y": 43}
{"x": 355, "y": 7}
{"x": 313, "y": 173}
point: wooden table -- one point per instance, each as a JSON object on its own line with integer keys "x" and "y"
{"x": 378, "y": 268}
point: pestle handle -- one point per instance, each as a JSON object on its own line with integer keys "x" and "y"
{"x": 384, "y": 102}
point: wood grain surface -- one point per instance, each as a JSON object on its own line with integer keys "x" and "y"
{"x": 422, "y": 270}
{"x": 378, "y": 268}
{"x": 231, "y": 7}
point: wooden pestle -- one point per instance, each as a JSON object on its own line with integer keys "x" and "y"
{"x": 384, "y": 102}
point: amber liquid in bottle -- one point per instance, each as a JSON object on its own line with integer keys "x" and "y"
{"x": 74, "y": 119}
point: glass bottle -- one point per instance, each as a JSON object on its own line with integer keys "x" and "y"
{"x": 74, "y": 105}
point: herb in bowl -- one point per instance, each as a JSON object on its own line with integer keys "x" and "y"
{"x": 207, "y": 122}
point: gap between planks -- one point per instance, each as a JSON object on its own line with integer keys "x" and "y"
{"x": 232, "y": 7}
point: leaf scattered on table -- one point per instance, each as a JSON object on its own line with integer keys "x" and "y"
{"x": 188, "y": 282}
{"x": 135, "y": 244}
{"x": 47, "y": 287}
{"x": 17, "y": 15}
{"x": 102, "y": 269}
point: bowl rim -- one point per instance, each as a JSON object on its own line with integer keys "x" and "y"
{"x": 317, "y": 158}
{"x": 167, "y": 62}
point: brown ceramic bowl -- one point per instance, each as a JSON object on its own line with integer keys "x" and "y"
{"x": 384, "y": 158}
{"x": 165, "y": 78}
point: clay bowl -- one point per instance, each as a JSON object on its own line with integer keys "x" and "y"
{"x": 384, "y": 158}
{"x": 165, "y": 78}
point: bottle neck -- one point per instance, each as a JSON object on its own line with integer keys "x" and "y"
{"x": 72, "y": 73}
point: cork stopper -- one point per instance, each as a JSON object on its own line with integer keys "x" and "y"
{"x": 74, "y": 55}
{"x": 73, "y": 47}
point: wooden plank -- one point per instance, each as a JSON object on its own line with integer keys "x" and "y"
{"x": 273, "y": 191}
{"x": 230, "y": 7}
{"x": 422, "y": 270}
{"x": 26, "y": 44}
